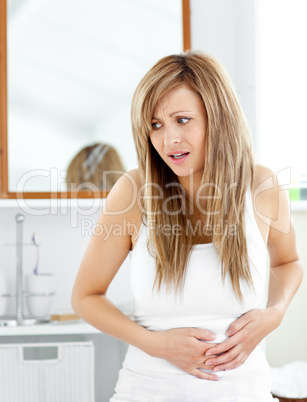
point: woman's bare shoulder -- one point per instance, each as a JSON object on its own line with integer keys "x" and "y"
{"x": 134, "y": 174}
{"x": 265, "y": 190}
{"x": 262, "y": 173}
{"x": 123, "y": 197}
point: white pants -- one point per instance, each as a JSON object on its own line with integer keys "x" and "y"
{"x": 250, "y": 382}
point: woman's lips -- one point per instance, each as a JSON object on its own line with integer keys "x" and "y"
{"x": 178, "y": 157}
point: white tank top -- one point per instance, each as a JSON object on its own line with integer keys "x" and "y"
{"x": 207, "y": 302}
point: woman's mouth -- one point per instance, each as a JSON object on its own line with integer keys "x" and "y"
{"x": 178, "y": 157}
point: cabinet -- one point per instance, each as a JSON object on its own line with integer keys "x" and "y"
{"x": 109, "y": 352}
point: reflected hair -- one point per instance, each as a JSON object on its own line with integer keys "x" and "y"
{"x": 228, "y": 163}
{"x": 88, "y": 166}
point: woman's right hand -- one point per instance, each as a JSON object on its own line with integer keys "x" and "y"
{"x": 185, "y": 348}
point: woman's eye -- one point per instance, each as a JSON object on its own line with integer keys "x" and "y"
{"x": 183, "y": 120}
{"x": 156, "y": 125}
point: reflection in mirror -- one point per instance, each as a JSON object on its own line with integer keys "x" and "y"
{"x": 96, "y": 167}
{"x": 72, "y": 71}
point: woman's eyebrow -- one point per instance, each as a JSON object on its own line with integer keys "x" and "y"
{"x": 173, "y": 113}
{"x": 180, "y": 112}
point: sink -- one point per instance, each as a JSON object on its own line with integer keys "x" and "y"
{"x": 14, "y": 322}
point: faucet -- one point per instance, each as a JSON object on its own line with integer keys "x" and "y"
{"x": 19, "y": 278}
{"x": 19, "y": 319}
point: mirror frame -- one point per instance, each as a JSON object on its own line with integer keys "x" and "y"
{"x": 5, "y": 193}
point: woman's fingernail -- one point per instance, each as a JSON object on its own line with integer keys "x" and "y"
{"x": 212, "y": 336}
{"x": 229, "y": 333}
{"x": 209, "y": 363}
{"x": 216, "y": 369}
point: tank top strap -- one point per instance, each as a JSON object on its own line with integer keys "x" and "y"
{"x": 142, "y": 236}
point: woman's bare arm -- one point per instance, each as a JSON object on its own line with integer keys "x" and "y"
{"x": 107, "y": 250}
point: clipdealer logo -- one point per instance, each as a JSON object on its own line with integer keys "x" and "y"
{"x": 79, "y": 208}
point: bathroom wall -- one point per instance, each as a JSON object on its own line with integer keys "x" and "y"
{"x": 289, "y": 342}
{"x": 227, "y": 30}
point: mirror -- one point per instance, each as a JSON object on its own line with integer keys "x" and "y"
{"x": 72, "y": 68}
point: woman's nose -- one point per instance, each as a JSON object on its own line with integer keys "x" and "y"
{"x": 171, "y": 136}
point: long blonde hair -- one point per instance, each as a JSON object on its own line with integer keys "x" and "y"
{"x": 228, "y": 161}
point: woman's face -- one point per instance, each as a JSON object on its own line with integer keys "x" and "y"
{"x": 178, "y": 132}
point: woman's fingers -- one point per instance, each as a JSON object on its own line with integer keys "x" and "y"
{"x": 230, "y": 365}
{"x": 205, "y": 376}
{"x": 202, "y": 334}
{"x": 245, "y": 333}
{"x": 239, "y": 323}
{"x": 225, "y": 357}
{"x": 224, "y": 346}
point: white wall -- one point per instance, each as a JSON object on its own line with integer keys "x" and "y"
{"x": 289, "y": 342}
{"x": 226, "y": 29}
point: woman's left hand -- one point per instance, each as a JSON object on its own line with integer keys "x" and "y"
{"x": 245, "y": 334}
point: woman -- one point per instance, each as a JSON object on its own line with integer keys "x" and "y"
{"x": 198, "y": 245}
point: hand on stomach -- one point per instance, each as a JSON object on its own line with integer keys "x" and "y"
{"x": 186, "y": 349}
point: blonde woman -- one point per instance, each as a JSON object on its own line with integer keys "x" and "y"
{"x": 197, "y": 242}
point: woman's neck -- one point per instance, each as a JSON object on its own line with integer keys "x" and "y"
{"x": 191, "y": 185}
